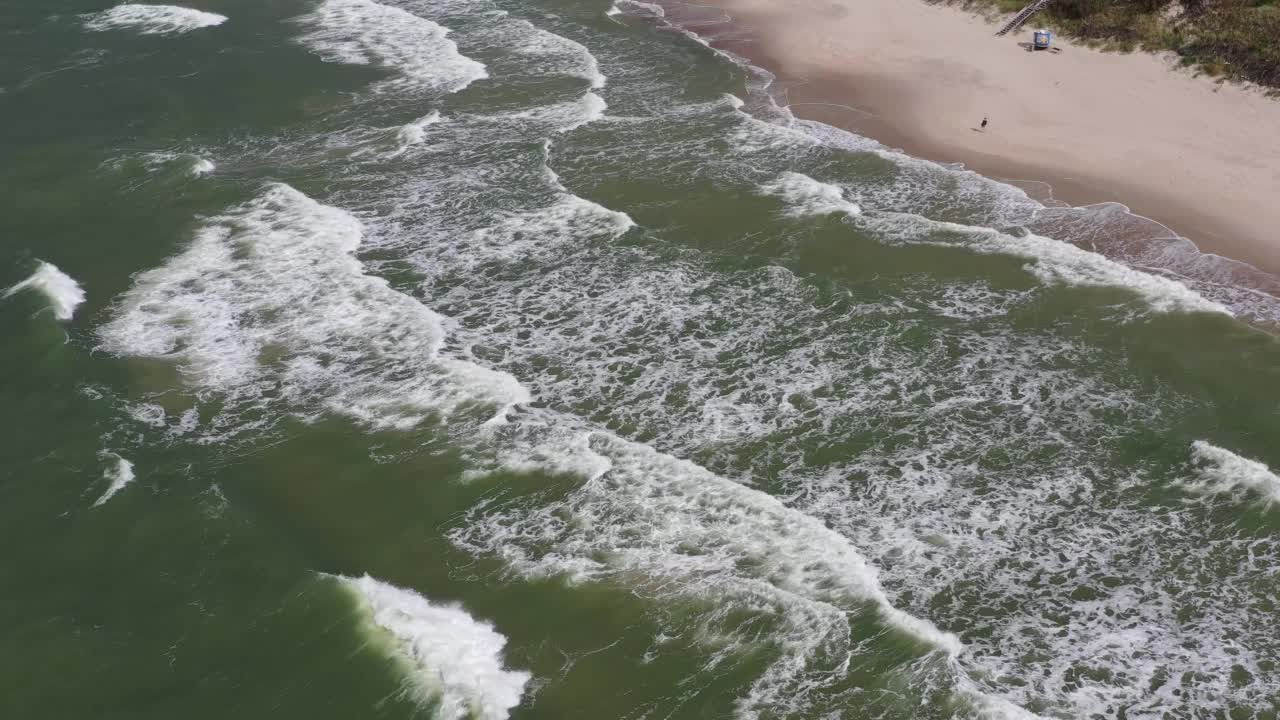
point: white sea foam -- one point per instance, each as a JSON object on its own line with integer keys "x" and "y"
{"x": 269, "y": 303}
{"x": 362, "y": 32}
{"x": 636, "y": 7}
{"x": 994, "y": 708}
{"x": 119, "y": 473}
{"x": 153, "y": 19}
{"x": 546, "y": 53}
{"x": 202, "y": 166}
{"x": 806, "y": 196}
{"x": 194, "y": 165}
{"x": 562, "y": 227}
{"x": 543, "y": 233}
{"x": 386, "y": 143}
{"x": 551, "y": 177}
{"x": 561, "y": 117}
{"x": 718, "y": 365}
{"x": 63, "y": 293}
{"x": 1052, "y": 262}
{"x": 668, "y": 529}
{"x": 414, "y": 133}
{"x": 1222, "y": 472}
{"x": 453, "y": 663}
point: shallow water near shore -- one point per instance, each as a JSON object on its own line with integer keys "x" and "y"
{"x": 483, "y": 359}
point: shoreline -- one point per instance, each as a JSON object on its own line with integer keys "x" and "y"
{"x": 1160, "y": 138}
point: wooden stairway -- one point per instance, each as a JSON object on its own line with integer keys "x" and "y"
{"x": 1023, "y": 16}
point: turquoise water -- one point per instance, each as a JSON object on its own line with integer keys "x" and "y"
{"x": 486, "y": 359}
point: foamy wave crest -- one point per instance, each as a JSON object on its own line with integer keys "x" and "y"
{"x": 63, "y": 293}
{"x": 269, "y": 304}
{"x": 670, "y": 530}
{"x": 1051, "y": 261}
{"x": 362, "y": 32}
{"x": 194, "y": 165}
{"x": 414, "y": 133}
{"x": 137, "y": 171}
{"x": 544, "y": 53}
{"x": 202, "y": 166}
{"x": 635, "y": 7}
{"x": 153, "y": 19}
{"x": 541, "y": 234}
{"x": 118, "y": 474}
{"x": 1222, "y": 472}
{"x": 561, "y": 117}
{"x": 806, "y": 196}
{"x": 452, "y": 662}
{"x": 558, "y": 229}
{"x": 386, "y": 143}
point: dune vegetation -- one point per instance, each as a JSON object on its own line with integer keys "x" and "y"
{"x": 1235, "y": 39}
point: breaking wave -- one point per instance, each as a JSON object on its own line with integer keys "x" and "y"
{"x": 668, "y": 530}
{"x": 118, "y": 474}
{"x": 269, "y": 306}
{"x": 417, "y": 50}
{"x": 806, "y": 196}
{"x": 61, "y": 290}
{"x": 153, "y": 19}
{"x": 452, "y": 662}
{"x": 1222, "y": 472}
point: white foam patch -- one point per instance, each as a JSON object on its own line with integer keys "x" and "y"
{"x": 153, "y": 19}
{"x": 561, "y": 227}
{"x": 386, "y": 143}
{"x": 547, "y": 53}
{"x": 544, "y": 233}
{"x": 61, "y": 290}
{"x": 562, "y": 117}
{"x": 1052, "y": 262}
{"x": 453, "y": 662}
{"x": 806, "y": 196}
{"x": 636, "y": 7}
{"x": 362, "y": 32}
{"x": 551, "y": 177}
{"x": 119, "y": 473}
{"x": 194, "y": 165}
{"x": 669, "y": 529}
{"x": 994, "y": 708}
{"x": 137, "y": 171}
{"x": 414, "y": 133}
{"x": 202, "y": 167}
{"x": 751, "y": 135}
{"x": 1222, "y": 472}
{"x": 269, "y": 303}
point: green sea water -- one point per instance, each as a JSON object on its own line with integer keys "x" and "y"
{"x": 524, "y": 358}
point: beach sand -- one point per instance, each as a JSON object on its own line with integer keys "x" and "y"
{"x": 1199, "y": 156}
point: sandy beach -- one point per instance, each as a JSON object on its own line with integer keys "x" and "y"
{"x": 1199, "y": 156}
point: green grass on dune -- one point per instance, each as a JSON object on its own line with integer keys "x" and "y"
{"x": 1234, "y": 39}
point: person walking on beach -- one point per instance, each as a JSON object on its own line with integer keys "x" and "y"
{"x": 984, "y": 124}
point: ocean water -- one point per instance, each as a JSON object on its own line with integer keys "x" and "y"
{"x": 526, "y": 359}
